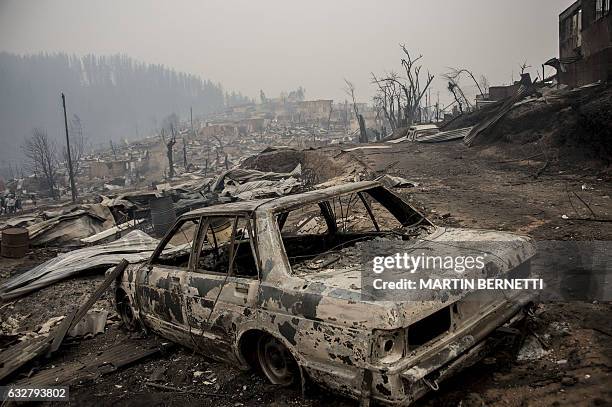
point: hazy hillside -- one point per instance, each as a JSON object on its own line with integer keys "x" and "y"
{"x": 114, "y": 96}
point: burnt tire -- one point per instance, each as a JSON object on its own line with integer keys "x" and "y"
{"x": 276, "y": 362}
{"x": 124, "y": 309}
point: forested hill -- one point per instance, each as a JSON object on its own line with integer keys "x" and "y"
{"x": 114, "y": 96}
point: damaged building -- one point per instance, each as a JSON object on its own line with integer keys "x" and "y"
{"x": 585, "y": 43}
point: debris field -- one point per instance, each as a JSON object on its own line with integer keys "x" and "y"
{"x": 62, "y": 324}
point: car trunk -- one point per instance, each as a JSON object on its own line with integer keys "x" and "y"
{"x": 348, "y": 273}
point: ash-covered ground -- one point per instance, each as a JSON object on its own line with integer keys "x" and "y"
{"x": 483, "y": 187}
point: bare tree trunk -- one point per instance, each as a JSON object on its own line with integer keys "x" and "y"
{"x": 363, "y": 135}
{"x": 452, "y": 90}
{"x": 350, "y": 90}
{"x": 170, "y": 148}
{"x": 456, "y": 73}
{"x": 170, "y": 159}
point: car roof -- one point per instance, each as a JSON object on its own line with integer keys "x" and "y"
{"x": 281, "y": 203}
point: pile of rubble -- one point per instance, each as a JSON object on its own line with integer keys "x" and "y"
{"x": 117, "y": 227}
{"x": 556, "y": 117}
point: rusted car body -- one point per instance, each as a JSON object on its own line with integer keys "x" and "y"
{"x": 264, "y": 307}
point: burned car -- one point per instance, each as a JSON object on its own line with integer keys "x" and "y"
{"x": 276, "y": 284}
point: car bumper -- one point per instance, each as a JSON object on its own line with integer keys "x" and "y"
{"x": 411, "y": 378}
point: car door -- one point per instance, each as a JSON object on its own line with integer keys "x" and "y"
{"x": 160, "y": 287}
{"x": 221, "y": 289}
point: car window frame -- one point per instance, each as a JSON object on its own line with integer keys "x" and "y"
{"x": 204, "y": 224}
{"x": 325, "y": 211}
{"x": 169, "y": 235}
{"x": 399, "y": 209}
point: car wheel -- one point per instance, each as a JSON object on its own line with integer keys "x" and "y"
{"x": 276, "y": 361}
{"x": 124, "y": 309}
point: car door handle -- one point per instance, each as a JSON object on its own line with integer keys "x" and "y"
{"x": 242, "y": 288}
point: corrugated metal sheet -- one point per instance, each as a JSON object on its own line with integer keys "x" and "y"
{"x": 398, "y": 140}
{"x": 445, "y": 135}
{"x": 425, "y": 130}
{"x": 475, "y": 133}
{"x": 92, "y": 324}
{"x": 112, "y": 231}
{"x": 262, "y": 188}
{"x": 417, "y": 132}
{"x": 376, "y": 147}
{"x": 134, "y": 247}
{"x": 240, "y": 175}
{"x": 68, "y": 226}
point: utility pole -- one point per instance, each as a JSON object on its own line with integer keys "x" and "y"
{"x": 70, "y": 173}
{"x": 185, "y": 153}
{"x": 191, "y": 120}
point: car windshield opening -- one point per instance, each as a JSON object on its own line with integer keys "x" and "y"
{"x": 328, "y": 234}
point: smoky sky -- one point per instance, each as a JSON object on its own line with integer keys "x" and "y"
{"x": 276, "y": 45}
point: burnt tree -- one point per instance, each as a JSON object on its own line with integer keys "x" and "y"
{"x": 41, "y": 158}
{"x": 169, "y": 151}
{"x": 405, "y": 92}
{"x": 350, "y": 90}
